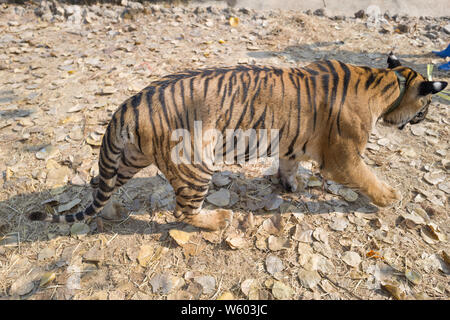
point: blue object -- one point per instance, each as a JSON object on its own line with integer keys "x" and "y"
{"x": 445, "y": 66}
{"x": 443, "y": 53}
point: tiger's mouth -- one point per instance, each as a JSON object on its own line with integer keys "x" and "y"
{"x": 417, "y": 118}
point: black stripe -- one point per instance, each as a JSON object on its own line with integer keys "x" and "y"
{"x": 97, "y": 204}
{"x": 107, "y": 175}
{"x": 313, "y": 88}
{"x": 335, "y": 83}
{"x": 111, "y": 146}
{"x": 244, "y": 87}
{"x": 377, "y": 82}
{"x": 388, "y": 86}
{"x": 325, "y": 87}
{"x": 357, "y": 86}
{"x": 219, "y": 83}
{"x": 322, "y": 67}
{"x": 230, "y": 111}
{"x": 179, "y": 122}
{"x": 261, "y": 118}
{"x": 104, "y": 187}
{"x": 370, "y": 80}
{"x": 252, "y": 102}
{"x": 299, "y": 108}
{"x": 311, "y": 71}
{"x": 105, "y": 166}
{"x": 123, "y": 110}
{"x": 162, "y": 100}
{"x": 135, "y": 102}
{"x": 304, "y": 147}
{"x": 191, "y": 89}
{"x": 347, "y": 75}
{"x": 100, "y": 196}
{"x": 206, "y": 87}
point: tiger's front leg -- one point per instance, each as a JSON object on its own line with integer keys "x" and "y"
{"x": 349, "y": 169}
{"x": 191, "y": 184}
{"x": 287, "y": 173}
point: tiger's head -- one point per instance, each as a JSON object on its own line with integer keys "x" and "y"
{"x": 415, "y": 95}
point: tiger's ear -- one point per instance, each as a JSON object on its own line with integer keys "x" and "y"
{"x": 393, "y": 61}
{"x": 431, "y": 87}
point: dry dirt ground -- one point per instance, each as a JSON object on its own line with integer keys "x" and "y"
{"x": 64, "y": 70}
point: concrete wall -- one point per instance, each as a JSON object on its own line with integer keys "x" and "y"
{"x": 349, "y": 7}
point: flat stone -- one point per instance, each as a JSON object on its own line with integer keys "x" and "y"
{"x": 309, "y": 279}
{"x": 273, "y": 264}
{"x": 219, "y": 198}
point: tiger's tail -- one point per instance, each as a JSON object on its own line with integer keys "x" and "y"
{"x": 110, "y": 154}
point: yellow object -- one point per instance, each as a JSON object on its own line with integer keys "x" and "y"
{"x": 234, "y": 21}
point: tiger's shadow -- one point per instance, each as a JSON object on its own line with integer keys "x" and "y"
{"x": 147, "y": 204}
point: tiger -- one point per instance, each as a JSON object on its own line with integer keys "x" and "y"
{"x": 324, "y": 111}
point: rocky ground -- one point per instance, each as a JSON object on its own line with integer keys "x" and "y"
{"x": 65, "y": 69}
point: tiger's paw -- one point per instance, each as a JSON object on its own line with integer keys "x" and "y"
{"x": 387, "y": 197}
{"x": 210, "y": 219}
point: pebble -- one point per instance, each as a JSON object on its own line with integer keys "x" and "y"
{"x": 181, "y": 237}
{"x": 46, "y": 253}
{"x": 309, "y": 279}
{"x": 314, "y": 182}
{"x": 351, "y": 258}
{"x": 10, "y": 240}
{"x": 334, "y": 188}
{"x": 348, "y": 194}
{"x": 278, "y": 243}
{"x": 227, "y": 295}
{"x": 444, "y": 187}
{"x": 79, "y": 229}
{"x": 94, "y": 255}
{"x": 248, "y": 285}
{"x": 47, "y": 153}
{"x": 434, "y": 177}
{"x": 446, "y": 29}
{"x": 145, "y": 254}
{"x": 219, "y": 198}
{"x": 281, "y": 291}
{"x": 161, "y": 283}
{"x": 313, "y": 207}
{"x": 273, "y": 202}
{"x": 302, "y": 235}
{"x": 383, "y": 142}
{"x": 69, "y": 205}
{"x": 236, "y": 242}
{"x": 273, "y": 264}
{"x": 220, "y": 181}
{"x": 208, "y": 284}
{"x": 418, "y": 130}
{"x": 21, "y": 286}
{"x": 339, "y": 224}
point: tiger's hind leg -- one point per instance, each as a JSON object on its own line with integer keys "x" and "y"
{"x": 130, "y": 162}
{"x": 191, "y": 184}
